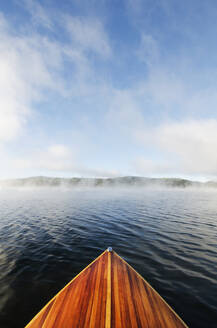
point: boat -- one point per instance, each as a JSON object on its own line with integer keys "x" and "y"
{"x": 107, "y": 293}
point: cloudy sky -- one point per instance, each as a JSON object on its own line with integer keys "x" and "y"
{"x": 102, "y": 88}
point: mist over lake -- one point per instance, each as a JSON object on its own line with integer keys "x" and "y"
{"x": 48, "y": 235}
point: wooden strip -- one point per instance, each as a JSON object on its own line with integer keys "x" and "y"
{"x": 108, "y": 301}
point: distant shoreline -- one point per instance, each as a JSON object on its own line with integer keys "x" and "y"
{"x": 127, "y": 181}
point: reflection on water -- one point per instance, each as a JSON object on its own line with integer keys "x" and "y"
{"x": 169, "y": 237}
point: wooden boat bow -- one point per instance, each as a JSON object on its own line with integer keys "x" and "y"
{"x": 107, "y": 293}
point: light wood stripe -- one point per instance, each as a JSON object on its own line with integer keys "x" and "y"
{"x": 108, "y": 300}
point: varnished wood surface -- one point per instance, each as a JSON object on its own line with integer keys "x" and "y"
{"x": 108, "y": 293}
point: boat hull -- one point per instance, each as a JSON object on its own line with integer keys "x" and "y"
{"x": 107, "y": 293}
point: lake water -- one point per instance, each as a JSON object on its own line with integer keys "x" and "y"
{"x": 168, "y": 236}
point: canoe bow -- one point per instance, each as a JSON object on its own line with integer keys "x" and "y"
{"x": 107, "y": 293}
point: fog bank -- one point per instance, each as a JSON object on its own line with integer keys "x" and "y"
{"x": 123, "y": 182}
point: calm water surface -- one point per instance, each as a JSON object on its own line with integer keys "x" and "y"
{"x": 48, "y": 236}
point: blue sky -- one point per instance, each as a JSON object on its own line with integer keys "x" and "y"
{"x": 108, "y": 88}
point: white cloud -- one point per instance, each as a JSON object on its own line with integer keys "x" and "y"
{"x": 165, "y": 88}
{"x": 95, "y": 172}
{"x": 59, "y": 151}
{"x": 88, "y": 34}
{"x": 25, "y": 72}
{"x": 124, "y": 113}
{"x": 38, "y": 13}
{"x": 56, "y": 157}
{"x": 149, "y": 112}
{"x": 134, "y": 6}
{"x": 32, "y": 64}
{"x": 148, "y": 50}
{"x": 62, "y": 160}
{"x": 147, "y": 167}
{"x": 187, "y": 147}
